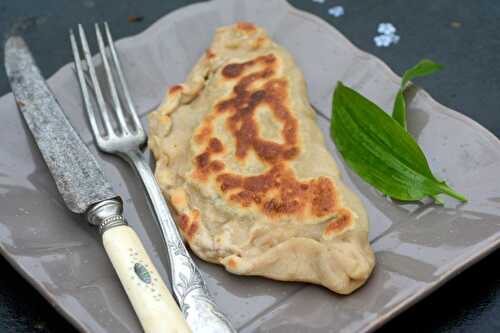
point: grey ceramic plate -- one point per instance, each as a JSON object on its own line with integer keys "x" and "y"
{"x": 418, "y": 246}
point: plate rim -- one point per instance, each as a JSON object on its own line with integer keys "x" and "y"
{"x": 494, "y": 242}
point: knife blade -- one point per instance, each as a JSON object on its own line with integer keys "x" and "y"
{"x": 79, "y": 178}
{"x": 84, "y": 188}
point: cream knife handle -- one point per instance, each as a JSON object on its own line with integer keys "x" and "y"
{"x": 150, "y": 298}
{"x": 154, "y": 305}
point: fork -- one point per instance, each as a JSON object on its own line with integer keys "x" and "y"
{"x": 127, "y": 141}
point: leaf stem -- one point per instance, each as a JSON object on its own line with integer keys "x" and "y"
{"x": 437, "y": 200}
{"x": 447, "y": 190}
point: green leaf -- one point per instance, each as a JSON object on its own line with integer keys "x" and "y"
{"x": 380, "y": 151}
{"x": 399, "y": 110}
{"x": 423, "y": 68}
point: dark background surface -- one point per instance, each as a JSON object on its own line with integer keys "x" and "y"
{"x": 463, "y": 35}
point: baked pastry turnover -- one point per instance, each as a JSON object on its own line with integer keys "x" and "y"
{"x": 243, "y": 163}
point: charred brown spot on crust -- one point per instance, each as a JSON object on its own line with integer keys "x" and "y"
{"x": 216, "y": 166}
{"x": 246, "y": 26}
{"x": 215, "y": 146}
{"x": 184, "y": 222}
{"x": 192, "y": 230}
{"x": 261, "y": 183}
{"x": 246, "y": 198}
{"x": 291, "y": 153}
{"x": 204, "y": 164}
{"x": 231, "y": 263}
{"x": 188, "y": 225}
{"x": 202, "y": 160}
{"x": 195, "y": 223}
{"x": 243, "y": 105}
{"x": 205, "y": 167}
{"x": 279, "y": 207}
{"x": 276, "y": 192}
{"x": 343, "y": 220}
{"x": 229, "y": 181}
{"x": 279, "y": 193}
{"x": 174, "y": 89}
{"x": 234, "y": 70}
{"x": 323, "y": 191}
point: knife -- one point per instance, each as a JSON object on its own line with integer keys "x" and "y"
{"x": 85, "y": 190}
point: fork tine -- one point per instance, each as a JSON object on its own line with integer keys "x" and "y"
{"x": 95, "y": 83}
{"x": 111, "y": 82}
{"x": 123, "y": 82}
{"x": 84, "y": 88}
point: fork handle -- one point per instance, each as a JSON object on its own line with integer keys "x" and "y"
{"x": 154, "y": 305}
{"x": 188, "y": 285}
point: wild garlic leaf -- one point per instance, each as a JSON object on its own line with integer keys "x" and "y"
{"x": 380, "y": 150}
{"x": 423, "y": 68}
{"x": 399, "y": 110}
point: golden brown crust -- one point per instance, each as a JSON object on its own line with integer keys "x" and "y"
{"x": 246, "y": 27}
{"x": 277, "y": 191}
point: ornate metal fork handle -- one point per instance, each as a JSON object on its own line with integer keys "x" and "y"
{"x": 187, "y": 283}
{"x": 189, "y": 288}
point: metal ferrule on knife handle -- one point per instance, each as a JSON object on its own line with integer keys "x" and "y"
{"x": 106, "y": 214}
{"x": 150, "y": 298}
